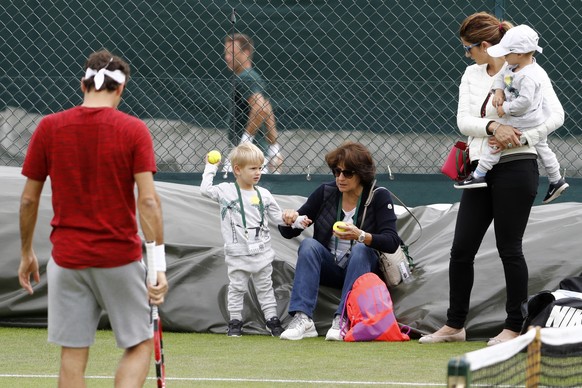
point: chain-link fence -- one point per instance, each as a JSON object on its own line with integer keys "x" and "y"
{"x": 384, "y": 73}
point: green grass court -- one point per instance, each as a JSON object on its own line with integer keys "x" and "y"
{"x": 214, "y": 360}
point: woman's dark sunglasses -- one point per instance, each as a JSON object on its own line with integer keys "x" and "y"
{"x": 348, "y": 174}
{"x": 469, "y": 47}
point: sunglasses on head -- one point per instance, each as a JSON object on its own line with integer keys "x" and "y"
{"x": 348, "y": 174}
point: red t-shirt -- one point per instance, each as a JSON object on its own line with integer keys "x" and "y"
{"x": 91, "y": 156}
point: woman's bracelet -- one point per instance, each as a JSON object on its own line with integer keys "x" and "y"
{"x": 495, "y": 129}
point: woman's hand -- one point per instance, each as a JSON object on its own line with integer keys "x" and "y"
{"x": 347, "y": 232}
{"x": 506, "y": 137}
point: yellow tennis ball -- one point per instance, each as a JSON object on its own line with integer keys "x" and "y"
{"x": 339, "y": 226}
{"x": 214, "y": 157}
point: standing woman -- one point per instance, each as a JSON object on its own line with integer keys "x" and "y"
{"x": 511, "y": 184}
{"x": 336, "y": 258}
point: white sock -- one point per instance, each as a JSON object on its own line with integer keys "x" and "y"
{"x": 479, "y": 173}
{"x": 554, "y": 178}
{"x": 273, "y": 150}
{"x": 246, "y": 137}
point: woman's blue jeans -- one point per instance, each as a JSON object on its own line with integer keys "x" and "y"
{"x": 316, "y": 266}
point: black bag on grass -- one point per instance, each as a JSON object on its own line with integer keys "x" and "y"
{"x": 573, "y": 283}
{"x": 560, "y": 308}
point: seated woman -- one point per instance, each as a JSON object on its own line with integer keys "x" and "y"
{"x": 336, "y": 258}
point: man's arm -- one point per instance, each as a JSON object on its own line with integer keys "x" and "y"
{"x": 29, "y": 202}
{"x": 270, "y": 123}
{"x": 149, "y": 207}
{"x": 150, "y": 218}
{"x": 261, "y": 112}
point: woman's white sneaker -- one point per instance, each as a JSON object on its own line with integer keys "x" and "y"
{"x": 300, "y": 327}
{"x": 334, "y": 333}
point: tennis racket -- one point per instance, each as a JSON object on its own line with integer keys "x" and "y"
{"x": 158, "y": 342}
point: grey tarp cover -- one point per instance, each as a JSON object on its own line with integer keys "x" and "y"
{"x": 197, "y": 273}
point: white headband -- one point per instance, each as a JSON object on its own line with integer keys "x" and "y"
{"x": 116, "y": 75}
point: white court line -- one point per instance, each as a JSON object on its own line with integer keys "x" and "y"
{"x": 218, "y": 379}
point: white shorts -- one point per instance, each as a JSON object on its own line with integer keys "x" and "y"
{"x": 77, "y": 298}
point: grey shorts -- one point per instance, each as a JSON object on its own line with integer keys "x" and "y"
{"x": 76, "y": 299}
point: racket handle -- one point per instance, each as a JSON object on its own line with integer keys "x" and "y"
{"x": 155, "y": 315}
{"x": 151, "y": 263}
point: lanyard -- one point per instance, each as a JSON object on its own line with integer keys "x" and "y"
{"x": 242, "y": 207}
{"x": 339, "y": 208}
{"x": 354, "y": 218}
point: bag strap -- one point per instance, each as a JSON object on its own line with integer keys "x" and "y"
{"x": 484, "y": 106}
{"x": 464, "y": 160}
{"x": 369, "y": 200}
{"x": 344, "y": 324}
{"x": 405, "y": 329}
{"x": 483, "y": 113}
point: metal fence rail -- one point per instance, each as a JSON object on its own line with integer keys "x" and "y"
{"x": 384, "y": 73}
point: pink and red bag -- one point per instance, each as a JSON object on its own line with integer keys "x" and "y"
{"x": 370, "y": 312}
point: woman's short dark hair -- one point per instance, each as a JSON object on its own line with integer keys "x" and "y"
{"x": 354, "y": 156}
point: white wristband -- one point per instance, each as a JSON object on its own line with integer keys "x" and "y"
{"x": 297, "y": 224}
{"x": 160, "y": 258}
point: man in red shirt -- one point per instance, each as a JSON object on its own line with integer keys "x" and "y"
{"x": 95, "y": 155}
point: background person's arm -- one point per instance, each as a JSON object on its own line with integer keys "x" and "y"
{"x": 270, "y": 123}
{"x": 260, "y": 111}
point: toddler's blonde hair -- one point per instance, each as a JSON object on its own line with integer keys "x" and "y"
{"x": 245, "y": 154}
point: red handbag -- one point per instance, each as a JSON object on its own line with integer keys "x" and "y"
{"x": 457, "y": 165}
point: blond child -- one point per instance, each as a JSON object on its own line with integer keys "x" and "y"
{"x": 245, "y": 211}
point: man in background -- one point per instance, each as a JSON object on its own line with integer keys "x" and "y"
{"x": 253, "y": 118}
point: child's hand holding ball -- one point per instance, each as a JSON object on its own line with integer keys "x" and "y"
{"x": 214, "y": 157}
